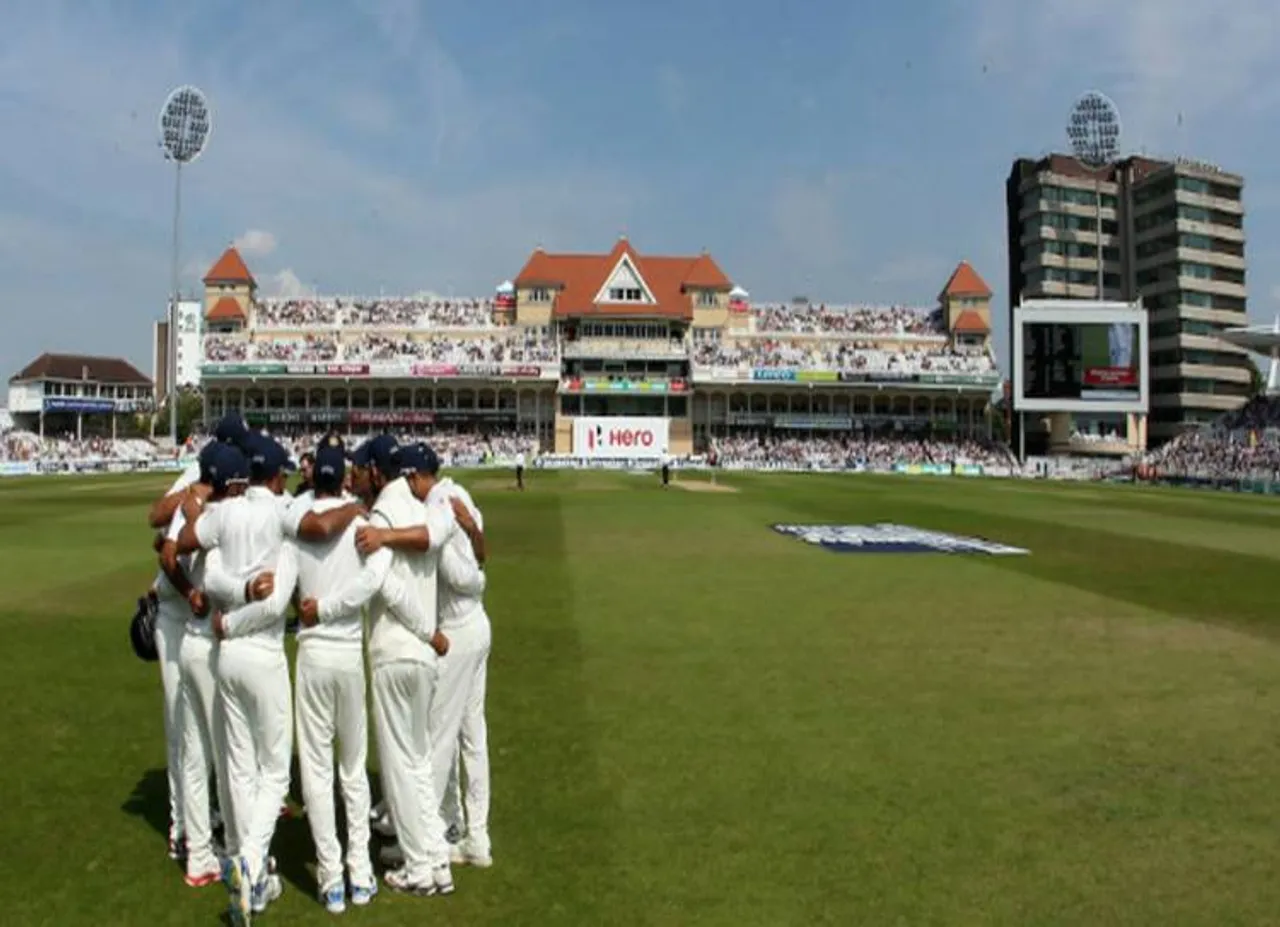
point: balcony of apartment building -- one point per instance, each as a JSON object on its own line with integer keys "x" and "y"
{"x": 1197, "y": 343}
{"x": 1069, "y": 227}
{"x": 1071, "y": 255}
{"x": 1036, "y": 185}
{"x": 1063, "y": 283}
{"x": 1190, "y": 275}
{"x": 1157, "y": 220}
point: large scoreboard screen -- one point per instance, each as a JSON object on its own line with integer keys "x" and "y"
{"x": 1091, "y": 358}
{"x": 1084, "y": 360}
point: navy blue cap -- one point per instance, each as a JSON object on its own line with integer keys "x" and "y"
{"x": 226, "y": 464}
{"x": 208, "y": 454}
{"x": 330, "y": 468}
{"x": 379, "y": 452}
{"x": 231, "y": 429}
{"x": 267, "y": 458}
{"x": 418, "y": 458}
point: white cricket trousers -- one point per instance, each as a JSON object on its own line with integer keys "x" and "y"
{"x": 402, "y": 694}
{"x": 330, "y": 704}
{"x": 171, "y": 620}
{"x": 257, "y": 730}
{"x": 458, "y": 724}
{"x": 202, "y": 752}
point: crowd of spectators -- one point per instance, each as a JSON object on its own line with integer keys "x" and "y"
{"x": 223, "y": 350}
{"x": 847, "y": 356}
{"x": 1244, "y": 444}
{"x": 23, "y": 446}
{"x": 427, "y": 312}
{"x": 765, "y": 451}
{"x": 510, "y": 347}
{"x": 809, "y": 319}
{"x": 314, "y": 348}
{"x": 456, "y": 448}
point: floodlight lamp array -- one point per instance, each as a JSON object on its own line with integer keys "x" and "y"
{"x": 1094, "y": 130}
{"x": 184, "y": 125}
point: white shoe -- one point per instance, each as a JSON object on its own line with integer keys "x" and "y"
{"x": 442, "y": 876}
{"x": 472, "y": 851}
{"x": 265, "y": 892}
{"x": 334, "y": 898}
{"x": 362, "y": 895}
{"x": 400, "y": 881}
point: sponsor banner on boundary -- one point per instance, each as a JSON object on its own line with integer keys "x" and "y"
{"x": 80, "y": 405}
{"x": 16, "y": 468}
{"x": 639, "y": 437}
{"x": 886, "y": 538}
{"x": 327, "y": 370}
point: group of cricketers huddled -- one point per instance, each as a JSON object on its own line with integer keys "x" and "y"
{"x": 376, "y": 551}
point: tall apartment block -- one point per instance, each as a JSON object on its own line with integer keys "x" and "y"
{"x": 1173, "y": 234}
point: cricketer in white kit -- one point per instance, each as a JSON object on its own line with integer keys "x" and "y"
{"x": 223, "y": 472}
{"x": 330, "y": 690}
{"x": 253, "y": 673}
{"x": 404, "y": 662}
{"x": 171, "y": 616}
{"x": 457, "y": 713}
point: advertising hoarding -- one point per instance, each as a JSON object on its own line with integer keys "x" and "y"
{"x": 634, "y": 437}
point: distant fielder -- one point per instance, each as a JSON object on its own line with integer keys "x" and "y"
{"x": 666, "y": 469}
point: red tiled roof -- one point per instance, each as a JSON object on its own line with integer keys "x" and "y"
{"x": 226, "y": 309}
{"x": 81, "y": 367}
{"x": 230, "y": 268}
{"x": 578, "y": 278}
{"x": 970, "y": 323}
{"x": 965, "y": 282}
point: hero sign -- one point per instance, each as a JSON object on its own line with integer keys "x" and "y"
{"x": 620, "y": 437}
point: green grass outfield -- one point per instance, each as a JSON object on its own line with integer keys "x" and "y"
{"x": 696, "y": 721}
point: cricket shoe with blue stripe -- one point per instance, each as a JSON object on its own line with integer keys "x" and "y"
{"x": 334, "y": 898}
{"x": 361, "y": 895}
{"x": 268, "y": 890}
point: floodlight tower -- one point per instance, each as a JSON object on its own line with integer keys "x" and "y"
{"x": 1093, "y": 129}
{"x": 184, "y": 130}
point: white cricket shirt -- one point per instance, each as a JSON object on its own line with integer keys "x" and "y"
{"x": 395, "y": 636}
{"x": 330, "y": 572}
{"x": 248, "y": 532}
{"x": 461, "y": 579}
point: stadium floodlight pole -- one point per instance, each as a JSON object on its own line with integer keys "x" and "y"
{"x": 1093, "y": 128}
{"x": 184, "y": 131}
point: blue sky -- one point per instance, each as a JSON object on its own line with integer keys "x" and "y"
{"x": 823, "y": 149}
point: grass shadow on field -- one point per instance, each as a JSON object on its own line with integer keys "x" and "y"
{"x": 552, "y": 810}
{"x": 292, "y": 847}
{"x": 150, "y": 802}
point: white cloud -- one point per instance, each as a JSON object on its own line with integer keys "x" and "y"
{"x": 284, "y": 284}
{"x": 255, "y": 243}
{"x": 85, "y": 85}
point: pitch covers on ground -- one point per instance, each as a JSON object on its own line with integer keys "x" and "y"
{"x": 888, "y": 538}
